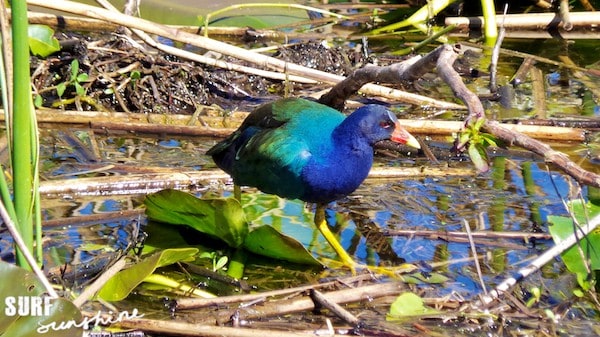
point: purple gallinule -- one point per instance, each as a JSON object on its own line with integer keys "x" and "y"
{"x": 300, "y": 149}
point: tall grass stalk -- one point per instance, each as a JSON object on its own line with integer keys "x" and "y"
{"x": 24, "y": 130}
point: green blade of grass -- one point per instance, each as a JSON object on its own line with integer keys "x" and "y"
{"x": 22, "y": 155}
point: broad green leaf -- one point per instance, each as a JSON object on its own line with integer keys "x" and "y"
{"x": 478, "y": 123}
{"x": 42, "y": 41}
{"x": 409, "y": 305}
{"x": 563, "y": 227}
{"x": 162, "y": 281}
{"x": 267, "y": 241}
{"x": 120, "y": 285}
{"x": 221, "y": 218}
{"x": 14, "y": 282}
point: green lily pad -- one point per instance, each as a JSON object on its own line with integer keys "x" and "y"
{"x": 267, "y": 241}
{"x": 222, "y": 218}
{"x": 120, "y": 285}
{"x": 16, "y": 282}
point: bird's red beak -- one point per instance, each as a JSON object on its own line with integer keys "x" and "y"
{"x": 400, "y": 135}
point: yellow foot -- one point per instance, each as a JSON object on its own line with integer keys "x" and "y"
{"x": 345, "y": 259}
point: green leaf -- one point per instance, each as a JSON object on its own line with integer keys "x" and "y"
{"x": 120, "y": 285}
{"x": 409, "y": 305}
{"x": 135, "y": 75}
{"x": 14, "y": 282}
{"x": 267, "y": 241}
{"x": 478, "y": 124}
{"x": 221, "y": 262}
{"x": 83, "y": 77}
{"x": 489, "y": 139}
{"x": 42, "y": 41}
{"x": 38, "y": 101}
{"x": 60, "y": 89}
{"x": 74, "y": 69}
{"x": 478, "y": 157}
{"x": 79, "y": 89}
{"x": 222, "y": 218}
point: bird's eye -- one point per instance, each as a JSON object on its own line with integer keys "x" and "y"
{"x": 386, "y": 124}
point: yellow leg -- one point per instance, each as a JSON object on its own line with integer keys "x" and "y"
{"x": 322, "y": 226}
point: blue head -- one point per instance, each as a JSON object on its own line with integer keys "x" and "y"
{"x": 371, "y": 124}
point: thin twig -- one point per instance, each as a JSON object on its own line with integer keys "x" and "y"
{"x": 521, "y": 74}
{"x": 475, "y": 260}
{"x": 496, "y": 54}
